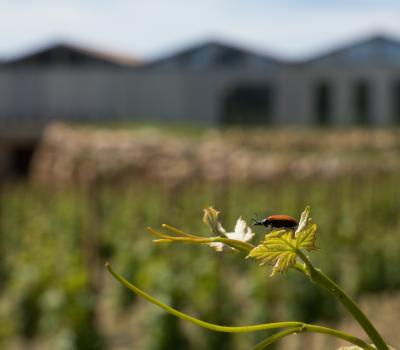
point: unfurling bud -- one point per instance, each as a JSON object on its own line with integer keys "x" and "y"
{"x": 210, "y": 218}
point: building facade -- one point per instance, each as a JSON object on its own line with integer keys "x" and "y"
{"x": 211, "y": 83}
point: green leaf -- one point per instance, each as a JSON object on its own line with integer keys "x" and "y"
{"x": 275, "y": 233}
{"x": 278, "y": 249}
{"x": 305, "y": 220}
{"x": 306, "y": 232}
{"x": 306, "y": 238}
{"x": 284, "y": 262}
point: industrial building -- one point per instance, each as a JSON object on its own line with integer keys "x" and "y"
{"x": 212, "y": 83}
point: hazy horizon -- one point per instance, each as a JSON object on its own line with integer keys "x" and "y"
{"x": 288, "y": 29}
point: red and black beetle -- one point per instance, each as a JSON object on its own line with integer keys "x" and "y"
{"x": 277, "y": 221}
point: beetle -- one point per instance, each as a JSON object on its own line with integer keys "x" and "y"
{"x": 277, "y": 221}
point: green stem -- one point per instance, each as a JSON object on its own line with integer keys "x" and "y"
{"x": 318, "y": 277}
{"x": 240, "y": 245}
{"x": 277, "y": 336}
{"x": 338, "y": 334}
{"x": 212, "y": 326}
{"x": 240, "y": 329}
{"x": 314, "y": 329}
{"x": 178, "y": 231}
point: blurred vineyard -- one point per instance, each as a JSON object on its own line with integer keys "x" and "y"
{"x": 82, "y": 155}
{"x": 55, "y": 294}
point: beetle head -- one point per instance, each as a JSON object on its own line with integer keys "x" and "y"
{"x": 257, "y": 221}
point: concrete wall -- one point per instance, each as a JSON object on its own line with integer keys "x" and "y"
{"x": 89, "y": 94}
{"x": 342, "y": 82}
{"x": 204, "y": 93}
{"x": 29, "y": 98}
{"x": 295, "y": 99}
{"x": 39, "y": 95}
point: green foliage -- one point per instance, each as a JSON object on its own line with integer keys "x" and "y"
{"x": 42, "y": 247}
{"x": 30, "y": 311}
{"x": 165, "y": 331}
{"x": 305, "y": 302}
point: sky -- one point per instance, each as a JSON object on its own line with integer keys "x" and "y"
{"x": 150, "y": 28}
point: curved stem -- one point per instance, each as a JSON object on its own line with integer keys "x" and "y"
{"x": 318, "y": 277}
{"x": 241, "y": 329}
{"x": 338, "y": 334}
{"x": 313, "y": 329}
{"x": 212, "y": 326}
{"x": 277, "y": 336}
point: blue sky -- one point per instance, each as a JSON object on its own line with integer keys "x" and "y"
{"x": 148, "y": 28}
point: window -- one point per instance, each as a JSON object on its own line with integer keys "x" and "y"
{"x": 322, "y": 100}
{"x": 396, "y": 102}
{"x": 361, "y": 102}
{"x": 248, "y": 104}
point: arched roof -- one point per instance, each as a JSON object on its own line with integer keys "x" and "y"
{"x": 69, "y": 54}
{"x": 214, "y": 55}
{"x": 378, "y": 50}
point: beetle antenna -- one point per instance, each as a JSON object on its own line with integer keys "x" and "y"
{"x": 256, "y": 221}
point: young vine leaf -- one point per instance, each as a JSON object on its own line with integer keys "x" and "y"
{"x": 279, "y": 248}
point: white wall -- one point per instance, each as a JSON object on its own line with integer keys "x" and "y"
{"x": 30, "y": 97}
{"x": 88, "y": 94}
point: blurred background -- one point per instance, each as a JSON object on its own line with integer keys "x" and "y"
{"x": 115, "y": 116}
